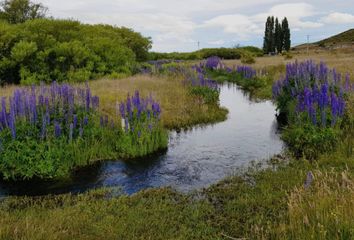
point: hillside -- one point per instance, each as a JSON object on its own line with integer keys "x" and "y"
{"x": 342, "y": 40}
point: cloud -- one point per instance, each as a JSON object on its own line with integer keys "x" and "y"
{"x": 240, "y": 25}
{"x": 178, "y": 25}
{"x": 181, "y": 7}
{"x": 338, "y": 18}
{"x": 217, "y": 42}
{"x": 245, "y": 26}
{"x": 294, "y": 12}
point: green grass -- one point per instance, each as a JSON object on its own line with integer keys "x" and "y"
{"x": 260, "y": 204}
{"x": 260, "y": 87}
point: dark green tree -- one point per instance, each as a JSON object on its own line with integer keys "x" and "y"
{"x": 267, "y": 40}
{"x": 286, "y": 34}
{"x": 278, "y": 35}
{"x": 19, "y": 11}
{"x": 270, "y": 42}
{"x": 272, "y": 35}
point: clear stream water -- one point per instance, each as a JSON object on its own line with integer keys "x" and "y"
{"x": 194, "y": 159}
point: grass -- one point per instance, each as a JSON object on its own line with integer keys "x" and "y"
{"x": 180, "y": 108}
{"x": 262, "y": 203}
{"x": 342, "y": 61}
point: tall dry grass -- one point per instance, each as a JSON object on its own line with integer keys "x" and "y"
{"x": 342, "y": 61}
{"x": 325, "y": 210}
{"x": 180, "y": 109}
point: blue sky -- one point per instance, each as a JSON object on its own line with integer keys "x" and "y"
{"x": 179, "y": 25}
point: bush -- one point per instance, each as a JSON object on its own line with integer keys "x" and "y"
{"x": 308, "y": 141}
{"x": 44, "y": 50}
{"x": 209, "y": 95}
{"x": 224, "y": 53}
{"x": 287, "y": 55}
{"x": 247, "y": 59}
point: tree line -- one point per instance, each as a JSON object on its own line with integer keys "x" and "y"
{"x": 35, "y": 48}
{"x": 276, "y": 36}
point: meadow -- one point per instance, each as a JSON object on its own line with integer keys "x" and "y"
{"x": 294, "y": 196}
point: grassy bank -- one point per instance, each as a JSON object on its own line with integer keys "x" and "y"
{"x": 261, "y": 204}
{"x": 290, "y": 199}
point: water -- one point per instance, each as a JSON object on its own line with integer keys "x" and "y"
{"x": 194, "y": 159}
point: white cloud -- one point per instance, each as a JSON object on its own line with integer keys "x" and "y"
{"x": 240, "y": 25}
{"x": 244, "y": 26}
{"x": 294, "y": 12}
{"x": 217, "y": 42}
{"x": 181, "y": 7}
{"x": 178, "y": 25}
{"x": 338, "y": 18}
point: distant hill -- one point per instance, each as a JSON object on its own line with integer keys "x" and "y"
{"x": 341, "y": 40}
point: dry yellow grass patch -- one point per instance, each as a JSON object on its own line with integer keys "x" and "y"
{"x": 342, "y": 61}
{"x": 180, "y": 109}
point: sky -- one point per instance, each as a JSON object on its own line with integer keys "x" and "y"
{"x": 180, "y": 24}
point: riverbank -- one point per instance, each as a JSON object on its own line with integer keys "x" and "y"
{"x": 291, "y": 199}
{"x": 260, "y": 204}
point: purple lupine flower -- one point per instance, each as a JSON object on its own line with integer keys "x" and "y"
{"x": 101, "y": 121}
{"x": 71, "y": 131}
{"x": 57, "y": 129}
{"x": 129, "y": 107}
{"x": 122, "y": 109}
{"x": 213, "y": 62}
{"x": 88, "y": 98}
{"x": 95, "y": 102}
{"x": 75, "y": 121}
{"x": 12, "y": 122}
{"x": 86, "y": 121}
{"x": 334, "y": 108}
{"x": 246, "y": 72}
{"x": 44, "y": 126}
{"x": 126, "y": 123}
{"x": 3, "y": 112}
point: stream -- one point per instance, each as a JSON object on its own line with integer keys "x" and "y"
{"x": 195, "y": 159}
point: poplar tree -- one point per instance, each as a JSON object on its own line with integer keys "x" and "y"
{"x": 278, "y": 36}
{"x": 286, "y": 34}
{"x": 271, "y": 35}
{"x": 266, "y": 40}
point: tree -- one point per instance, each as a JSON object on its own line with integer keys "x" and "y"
{"x": 269, "y": 43}
{"x": 19, "y": 11}
{"x": 278, "y": 35}
{"x": 286, "y": 34}
{"x": 272, "y": 35}
{"x": 267, "y": 40}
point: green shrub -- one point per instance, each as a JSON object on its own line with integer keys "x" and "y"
{"x": 209, "y": 95}
{"x": 310, "y": 141}
{"x": 44, "y": 50}
{"x": 247, "y": 59}
{"x": 287, "y": 55}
